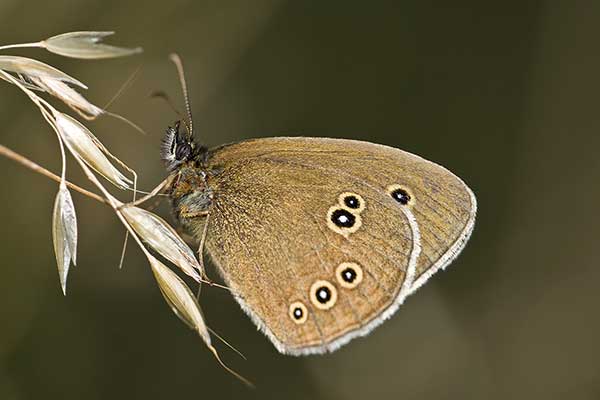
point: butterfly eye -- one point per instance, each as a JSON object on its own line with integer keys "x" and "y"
{"x": 343, "y": 221}
{"x": 323, "y": 295}
{"x": 352, "y": 201}
{"x": 349, "y": 275}
{"x": 401, "y": 194}
{"x": 183, "y": 152}
{"x": 298, "y": 312}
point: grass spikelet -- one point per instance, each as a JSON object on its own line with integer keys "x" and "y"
{"x": 86, "y": 45}
{"x": 84, "y": 145}
{"x": 64, "y": 233}
{"x": 34, "y": 68}
{"x": 69, "y": 96}
{"x": 184, "y": 304}
{"x": 163, "y": 239}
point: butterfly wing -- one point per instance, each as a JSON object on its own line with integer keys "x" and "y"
{"x": 322, "y": 239}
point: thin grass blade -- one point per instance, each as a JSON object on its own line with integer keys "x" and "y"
{"x": 86, "y": 45}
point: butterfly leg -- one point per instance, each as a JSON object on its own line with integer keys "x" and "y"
{"x": 154, "y": 193}
{"x": 201, "y": 253}
{"x": 187, "y": 215}
{"x": 157, "y": 191}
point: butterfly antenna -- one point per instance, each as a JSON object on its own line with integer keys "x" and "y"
{"x": 159, "y": 94}
{"x": 163, "y": 96}
{"x": 177, "y": 61}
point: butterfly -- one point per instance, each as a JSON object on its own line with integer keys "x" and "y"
{"x": 320, "y": 240}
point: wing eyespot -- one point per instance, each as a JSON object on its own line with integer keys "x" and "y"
{"x": 352, "y": 201}
{"x": 343, "y": 218}
{"x": 401, "y": 194}
{"x": 323, "y": 295}
{"x": 343, "y": 221}
{"x": 298, "y": 312}
{"x": 349, "y": 275}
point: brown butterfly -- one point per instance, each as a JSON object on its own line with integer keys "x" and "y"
{"x": 319, "y": 239}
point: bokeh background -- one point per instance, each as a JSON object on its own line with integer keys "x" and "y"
{"x": 505, "y": 95}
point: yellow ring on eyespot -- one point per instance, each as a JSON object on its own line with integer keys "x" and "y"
{"x": 361, "y": 202}
{"x": 358, "y": 277}
{"x": 319, "y": 289}
{"x": 300, "y": 306}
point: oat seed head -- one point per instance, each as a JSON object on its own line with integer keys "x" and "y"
{"x": 32, "y": 76}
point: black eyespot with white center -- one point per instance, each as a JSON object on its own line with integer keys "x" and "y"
{"x": 352, "y": 202}
{"x": 298, "y": 312}
{"x": 323, "y": 295}
{"x": 401, "y": 196}
{"x": 343, "y": 218}
{"x": 349, "y": 275}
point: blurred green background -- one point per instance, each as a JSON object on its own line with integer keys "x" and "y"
{"x": 505, "y": 95}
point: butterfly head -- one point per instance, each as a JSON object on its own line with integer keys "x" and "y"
{"x": 179, "y": 148}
